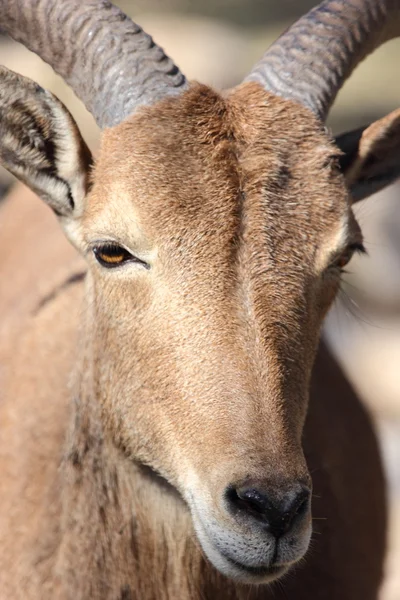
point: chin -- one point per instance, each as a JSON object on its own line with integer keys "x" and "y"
{"x": 245, "y": 559}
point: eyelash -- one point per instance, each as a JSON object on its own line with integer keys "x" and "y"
{"x": 113, "y": 255}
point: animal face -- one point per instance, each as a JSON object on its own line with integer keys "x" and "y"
{"x": 214, "y": 234}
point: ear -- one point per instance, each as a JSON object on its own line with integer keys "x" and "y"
{"x": 41, "y": 145}
{"x": 371, "y": 159}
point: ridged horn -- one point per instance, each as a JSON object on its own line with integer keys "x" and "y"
{"x": 311, "y": 60}
{"x": 112, "y": 65}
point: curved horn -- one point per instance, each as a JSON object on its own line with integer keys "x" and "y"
{"x": 112, "y": 65}
{"x": 312, "y": 59}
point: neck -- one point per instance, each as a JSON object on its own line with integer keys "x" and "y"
{"x": 125, "y": 532}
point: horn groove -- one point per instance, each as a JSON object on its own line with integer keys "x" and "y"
{"x": 311, "y": 60}
{"x": 112, "y": 65}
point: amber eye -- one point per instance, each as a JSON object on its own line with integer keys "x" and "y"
{"x": 344, "y": 259}
{"x": 113, "y": 255}
{"x": 347, "y": 255}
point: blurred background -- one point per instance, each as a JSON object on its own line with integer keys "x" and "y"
{"x": 217, "y": 42}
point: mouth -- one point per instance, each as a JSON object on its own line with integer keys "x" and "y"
{"x": 247, "y": 560}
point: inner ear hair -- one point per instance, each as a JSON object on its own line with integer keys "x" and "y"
{"x": 41, "y": 145}
{"x": 371, "y": 156}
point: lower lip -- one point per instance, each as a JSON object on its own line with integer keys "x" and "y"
{"x": 258, "y": 571}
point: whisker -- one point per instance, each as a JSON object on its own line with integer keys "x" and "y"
{"x": 354, "y": 309}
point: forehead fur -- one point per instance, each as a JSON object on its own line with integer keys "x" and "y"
{"x": 204, "y": 164}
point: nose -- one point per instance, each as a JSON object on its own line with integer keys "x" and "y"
{"x": 278, "y": 511}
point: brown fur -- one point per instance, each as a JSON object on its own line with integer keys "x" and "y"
{"x": 198, "y": 368}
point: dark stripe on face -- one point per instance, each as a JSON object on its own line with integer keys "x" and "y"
{"x": 75, "y": 278}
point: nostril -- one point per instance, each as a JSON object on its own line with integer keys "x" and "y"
{"x": 278, "y": 511}
{"x": 253, "y": 499}
{"x": 248, "y": 499}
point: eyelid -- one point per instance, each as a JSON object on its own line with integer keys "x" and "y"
{"x": 105, "y": 242}
{"x": 352, "y": 247}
